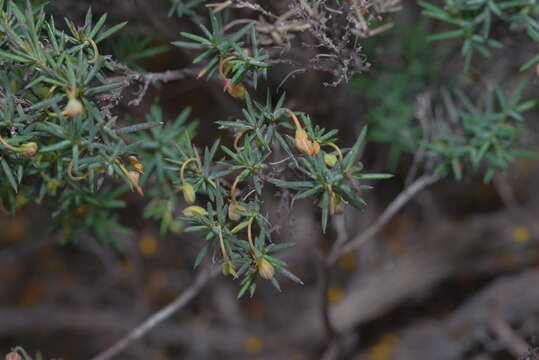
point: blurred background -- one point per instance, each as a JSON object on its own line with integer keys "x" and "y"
{"x": 453, "y": 276}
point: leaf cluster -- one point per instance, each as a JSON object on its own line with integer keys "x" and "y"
{"x": 481, "y": 136}
{"x": 60, "y": 143}
{"x": 474, "y": 20}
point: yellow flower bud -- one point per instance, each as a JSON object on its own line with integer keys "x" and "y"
{"x": 228, "y": 269}
{"x": 265, "y": 268}
{"x": 134, "y": 178}
{"x": 302, "y": 141}
{"x": 194, "y": 209}
{"x": 330, "y": 160}
{"x": 233, "y": 211}
{"x": 73, "y": 108}
{"x": 189, "y": 193}
{"x": 304, "y": 144}
{"x": 237, "y": 91}
{"x": 29, "y": 149}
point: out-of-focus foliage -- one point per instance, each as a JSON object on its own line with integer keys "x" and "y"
{"x": 392, "y": 87}
{"x": 474, "y": 20}
{"x": 481, "y": 136}
{"x": 477, "y": 134}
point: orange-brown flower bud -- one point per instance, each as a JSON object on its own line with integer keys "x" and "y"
{"x": 136, "y": 164}
{"x": 236, "y": 91}
{"x": 315, "y": 149}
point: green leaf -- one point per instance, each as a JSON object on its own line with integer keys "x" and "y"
{"x": 373, "y": 176}
{"x": 202, "y": 254}
{"x": 446, "y": 35}
{"x": 15, "y": 57}
{"x": 308, "y": 193}
{"x": 275, "y": 248}
{"x": 353, "y": 154}
{"x": 9, "y": 175}
{"x": 58, "y": 146}
{"x": 291, "y": 184}
{"x": 325, "y": 210}
{"x": 110, "y": 31}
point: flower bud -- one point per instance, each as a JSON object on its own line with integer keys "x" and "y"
{"x": 228, "y": 269}
{"x": 330, "y": 160}
{"x": 265, "y": 268}
{"x": 302, "y": 141}
{"x": 233, "y": 211}
{"x": 136, "y": 164}
{"x": 13, "y": 356}
{"x": 29, "y": 149}
{"x": 73, "y": 108}
{"x": 194, "y": 209}
{"x": 237, "y": 91}
{"x": 188, "y": 192}
{"x": 134, "y": 179}
{"x": 315, "y": 148}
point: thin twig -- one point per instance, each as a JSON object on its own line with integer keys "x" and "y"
{"x": 150, "y": 78}
{"x": 392, "y": 209}
{"x": 157, "y": 318}
{"x": 423, "y": 106}
{"x": 512, "y": 341}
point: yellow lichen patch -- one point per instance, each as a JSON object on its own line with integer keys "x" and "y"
{"x": 521, "y": 234}
{"x": 383, "y": 348}
{"x": 348, "y": 261}
{"x": 147, "y": 245}
{"x": 253, "y": 345}
{"x": 335, "y": 294}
